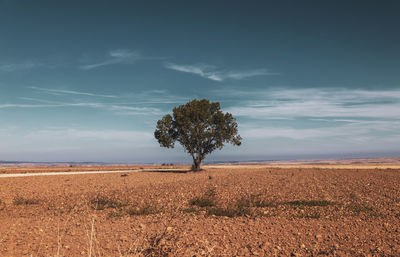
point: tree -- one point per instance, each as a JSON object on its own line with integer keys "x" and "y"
{"x": 200, "y": 127}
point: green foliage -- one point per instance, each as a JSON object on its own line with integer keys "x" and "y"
{"x": 200, "y": 127}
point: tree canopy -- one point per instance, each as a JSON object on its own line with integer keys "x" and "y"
{"x": 200, "y": 127}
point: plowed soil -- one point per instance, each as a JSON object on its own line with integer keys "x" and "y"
{"x": 221, "y": 211}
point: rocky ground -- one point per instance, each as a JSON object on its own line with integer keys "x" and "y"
{"x": 240, "y": 211}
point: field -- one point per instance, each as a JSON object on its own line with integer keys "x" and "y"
{"x": 260, "y": 210}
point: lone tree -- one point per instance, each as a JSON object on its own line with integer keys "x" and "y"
{"x": 200, "y": 127}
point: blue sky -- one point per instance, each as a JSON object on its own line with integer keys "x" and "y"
{"x": 87, "y": 80}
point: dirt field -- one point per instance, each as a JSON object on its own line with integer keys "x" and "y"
{"x": 222, "y": 211}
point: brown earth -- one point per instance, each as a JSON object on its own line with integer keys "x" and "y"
{"x": 247, "y": 210}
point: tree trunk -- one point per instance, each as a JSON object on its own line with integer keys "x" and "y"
{"x": 196, "y": 163}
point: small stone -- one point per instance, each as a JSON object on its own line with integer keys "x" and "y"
{"x": 302, "y": 246}
{"x": 123, "y": 238}
{"x": 169, "y": 228}
{"x": 244, "y": 251}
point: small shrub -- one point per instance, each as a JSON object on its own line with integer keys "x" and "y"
{"x": 230, "y": 212}
{"x": 310, "y": 203}
{"x": 19, "y": 200}
{"x": 359, "y": 208}
{"x": 313, "y": 215}
{"x": 207, "y": 200}
{"x": 353, "y": 196}
{"x": 101, "y": 202}
{"x": 241, "y": 208}
{"x": 191, "y": 210}
{"x": 218, "y": 211}
{"x": 144, "y": 210}
{"x": 254, "y": 201}
{"x": 202, "y": 202}
{"x": 115, "y": 214}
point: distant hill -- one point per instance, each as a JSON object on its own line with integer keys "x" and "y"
{"x": 386, "y": 160}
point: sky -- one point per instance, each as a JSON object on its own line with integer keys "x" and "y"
{"x": 88, "y": 80}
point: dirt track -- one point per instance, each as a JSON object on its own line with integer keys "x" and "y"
{"x": 58, "y": 173}
{"x": 272, "y": 211}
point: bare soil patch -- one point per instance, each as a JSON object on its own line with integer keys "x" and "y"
{"x": 241, "y": 211}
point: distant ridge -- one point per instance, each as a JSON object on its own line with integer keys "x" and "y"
{"x": 385, "y": 160}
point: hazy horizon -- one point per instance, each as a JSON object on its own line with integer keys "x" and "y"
{"x": 88, "y": 80}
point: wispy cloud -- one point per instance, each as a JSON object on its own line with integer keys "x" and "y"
{"x": 213, "y": 73}
{"x": 343, "y": 119}
{"x": 315, "y": 103}
{"x": 4, "y": 106}
{"x": 116, "y": 57}
{"x": 156, "y": 96}
{"x": 117, "y": 108}
{"x": 26, "y": 65}
{"x": 147, "y": 97}
{"x": 350, "y": 131}
{"x": 70, "y": 92}
{"x": 79, "y": 134}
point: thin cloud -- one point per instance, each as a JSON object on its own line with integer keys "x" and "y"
{"x": 4, "y": 106}
{"x": 116, "y": 57}
{"x": 315, "y": 103}
{"x": 117, "y": 108}
{"x": 211, "y": 72}
{"x": 354, "y": 131}
{"x": 27, "y": 65}
{"x": 132, "y": 110}
{"x": 149, "y": 97}
{"x": 71, "y": 92}
{"x": 78, "y": 134}
{"x": 354, "y": 120}
{"x": 338, "y": 132}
